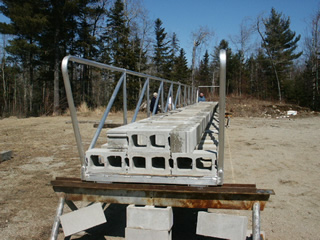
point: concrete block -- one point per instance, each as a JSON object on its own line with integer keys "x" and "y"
{"x": 106, "y": 160}
{"x": 198, "y": 163}
{"x": 5, "y": 155}
{"x": 149, "y": 217}
{"x": 222, "y": 226}
{"x": 139, "y": 234}
{"x": 82, "y": 219}
{"x": 151, "y": 163}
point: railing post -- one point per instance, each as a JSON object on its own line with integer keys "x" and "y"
{"x": 162, "y": 101}
{"x": 185, "y": 96}
{"x": 256, "y": 221}
{"x": 177, "y": 97}
{"x": 106, "y": 112}
{"x": 124, "y": 88}
{"x": 169, "y": 95}
{"x": 72, "y": 109}
{"x": 222, "y": 106}
{"x": 146, "y": 83}
{"x": 148, "y": 99}
{"x": 157, "y": 100}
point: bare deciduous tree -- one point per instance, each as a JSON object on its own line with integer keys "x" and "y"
{"x": 199, "y": 37}
{"x": 243, "y": 45}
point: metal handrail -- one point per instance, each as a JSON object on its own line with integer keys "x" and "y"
{"x": 188, "y": 98}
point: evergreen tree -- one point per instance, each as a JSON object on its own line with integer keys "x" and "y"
{"x": 181, "y": 72}
{"x": 216, "y": 65}
{"x": 161, "y": 48}
{"x": 280, "y": 44}
{"x": 27, "y": 24}
{"x": 117, "y": 36}
{"x": 169, "y": 65}
{"x": 204, "y": 75}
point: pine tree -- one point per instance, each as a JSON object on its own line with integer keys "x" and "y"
{"x": 161, "y": 48}
{"x": 117, "y": 36}
{"x": 204, "y": 75}
{"x": 27, "y": 24}
{"x": 181, "y": 72}
{"x": 174, "y": 48}
{"x": 280, "y": 44}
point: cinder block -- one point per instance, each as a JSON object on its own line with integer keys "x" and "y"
{"x": 82, "y": 219}
{"x": 142, "y": 234}
{"x": 5, "y": 155}
{"x": 149, "y": 217}
{"x": 153, "y": 163}
{"x": 197, "y": 163}
{"x": 222, "y": 226}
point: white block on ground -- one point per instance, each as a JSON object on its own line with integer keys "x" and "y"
{"x": 222, "y": 226}
{"x": 149, "y": 217}
{"x": 143, "y": 234}
{"x": 82, "y": 219}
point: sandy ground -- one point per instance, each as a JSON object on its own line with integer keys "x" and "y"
{"x": 279, "y": 154}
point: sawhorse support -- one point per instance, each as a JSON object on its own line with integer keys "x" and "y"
{"x": 228, "y": 196}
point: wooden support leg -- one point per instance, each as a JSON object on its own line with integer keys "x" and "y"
{"x": 56, "y": 223}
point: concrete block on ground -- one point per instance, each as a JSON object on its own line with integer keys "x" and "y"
{"x": 222, "y": 226}
{"x": 5, "y": 155}
{"x": 82, "y": 219}
{"x": 142, "y": 234}
{"x": 149, "y": 217}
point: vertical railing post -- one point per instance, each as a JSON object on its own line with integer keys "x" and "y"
{"x": 222, "y": 106}
{"x": 168, "y": 97}
{"x": 124, "y": 87}
{"x": 162, "y": 99}
{"x": 148, "y": 99}
{"x": 256, "y": 221}
{"x": 185, "y": 96}
{"x": 72, "y": 109}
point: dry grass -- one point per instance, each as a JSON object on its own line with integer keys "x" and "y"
{"x": 251, "y": 107}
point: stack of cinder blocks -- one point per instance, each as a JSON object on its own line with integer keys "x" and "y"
{"x": 148, "y": 222}
{"x": 164, "y": 147}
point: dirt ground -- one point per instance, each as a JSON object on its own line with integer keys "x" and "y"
{"x": 275, "y": 153}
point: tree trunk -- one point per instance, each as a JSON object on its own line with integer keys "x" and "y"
{"x": 56, "y": 98}
{"x": 193, "y": 63}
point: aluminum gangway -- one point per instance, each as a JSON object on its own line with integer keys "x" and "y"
{"x": 173, "y": 159}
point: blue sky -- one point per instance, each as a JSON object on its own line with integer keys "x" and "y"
{"x": 224, "y": 17}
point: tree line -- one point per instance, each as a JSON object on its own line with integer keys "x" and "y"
{"x": 41, "y": 32}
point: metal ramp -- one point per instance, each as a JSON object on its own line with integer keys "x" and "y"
{"x": 170, "y": 159}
